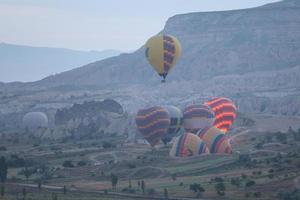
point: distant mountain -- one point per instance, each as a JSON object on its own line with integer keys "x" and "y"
{"x": 25, "y": 63}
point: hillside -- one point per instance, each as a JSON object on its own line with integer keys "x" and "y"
{"x": 25, "y": 63}
{"x": 250, "y": 55}
{"x": 214, "y": 43}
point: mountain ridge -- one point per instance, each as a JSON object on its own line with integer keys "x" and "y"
{"x": 29, "y": 63}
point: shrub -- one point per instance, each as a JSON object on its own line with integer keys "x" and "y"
{"x": 151, "y": 191}
{"x": 3, "y": 148}
{"x": 250, "y": 183}
{"x": 68, "y": 163}
{"x": 81, "y": 163}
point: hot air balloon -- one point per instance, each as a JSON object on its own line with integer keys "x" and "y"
{"x": 188, "y": 145}
{"x": 176, "y": 120}
{"x": 162, "y": 52}
{"x": 153, "y": 123}
{"x": 35, "y": 120}
{"x": 197, "y": 117}
{"x": 225, "y": 112}
{"x": 216, "y": 140}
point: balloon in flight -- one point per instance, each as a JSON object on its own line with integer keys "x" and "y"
{"x": 162, "y": 52}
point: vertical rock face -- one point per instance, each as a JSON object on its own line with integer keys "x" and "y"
{"x": 93, "y": 118}
{"x": 238, "y": 42}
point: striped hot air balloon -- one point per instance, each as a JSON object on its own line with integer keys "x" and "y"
{"x": 225, "y": 112}
{"x": 188, "y": 145}
{"x": 153, "y": 123}
{"x": 176, "y": 120}
{"x": 216, "y": 140}
{"x": 162, "y": 52}
{"x": 197, "y": 117}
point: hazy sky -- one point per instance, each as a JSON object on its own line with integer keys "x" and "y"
{"x": 97, "y": 24}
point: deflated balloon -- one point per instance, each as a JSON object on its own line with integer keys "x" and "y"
{"x": 34, "y": 120}
{"x": 188, "y": 145}
{"x": 197, "y": 117}
{"x": 176, "y": 120}
{"x": 162, "y": 52}
{"x": 153, "y": 123}
{"x": 225, "y": 112}
{"x": 216, "y": 140}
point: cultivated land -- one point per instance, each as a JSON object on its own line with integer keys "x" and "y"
{"x": 265, "y": 165}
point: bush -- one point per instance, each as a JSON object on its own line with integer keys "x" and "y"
{"x": 68, "y": 163}
{"x": 236, "y": 181}
{"x": 131, "y": 165}
{"x": 151, "y": 191}
{"x": 15, "y": 161}
{"x": 219, "y": 179}
{"x": 257, "y": 194}
{"x": 250, "y": 183}
{"x": 197, "y": 188}
{"x": 81, "y": 163}
{"x": 3, "y": 148}
{"x": 128, "y": 190}
{"x": 107, "y": 145}
{"x": 284, "y": 195}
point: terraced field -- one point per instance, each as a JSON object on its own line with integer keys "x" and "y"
{"x": 264, "y": 165}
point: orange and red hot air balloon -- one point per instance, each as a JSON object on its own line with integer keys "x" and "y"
{"x": 225, "y": 112}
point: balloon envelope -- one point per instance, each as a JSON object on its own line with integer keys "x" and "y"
{"x": 187, "y": 145}
{"x": 225, "y": 112}
{"x": 162, "y": 52}
{"x": 197, "y": 117}
{"x": 216, "y": 140}
{"x": 176, "y": 120}
{"x": 153, "y": 123}
{"x": 34, "y": 120}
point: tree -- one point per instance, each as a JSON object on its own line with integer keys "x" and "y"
{"x": 114, "y": 181}
{"x": 219, "y": 179}
{"x": 129, "y": 183}
{"x": 281, "y": 137}
{"x": 197, "y": 188}
{"x": 143, "y": 186}
{"x": 250, "y": 183}
{"x": 40, "y": 186}
{"x": 139, "y": 183}
{"x": 24, "y": 192}
{"x": 220, "y": 188}
{"x": 3, "y": 174}
{"x": 236, "y": 181}
{"x": 54, "y": 196}
{"x": 27, "y": 173}
{"x": 166, "y": 194}
{"x": 174, "y": 177}
{"x": 65, "y": 190}
{"x": 3, "y": 169}
{"x": 68, "y": 163}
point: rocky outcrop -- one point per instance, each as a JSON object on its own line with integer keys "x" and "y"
{"x": 93, "y": 119}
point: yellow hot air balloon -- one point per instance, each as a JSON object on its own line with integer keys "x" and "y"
{"x": 162, "y": 52}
